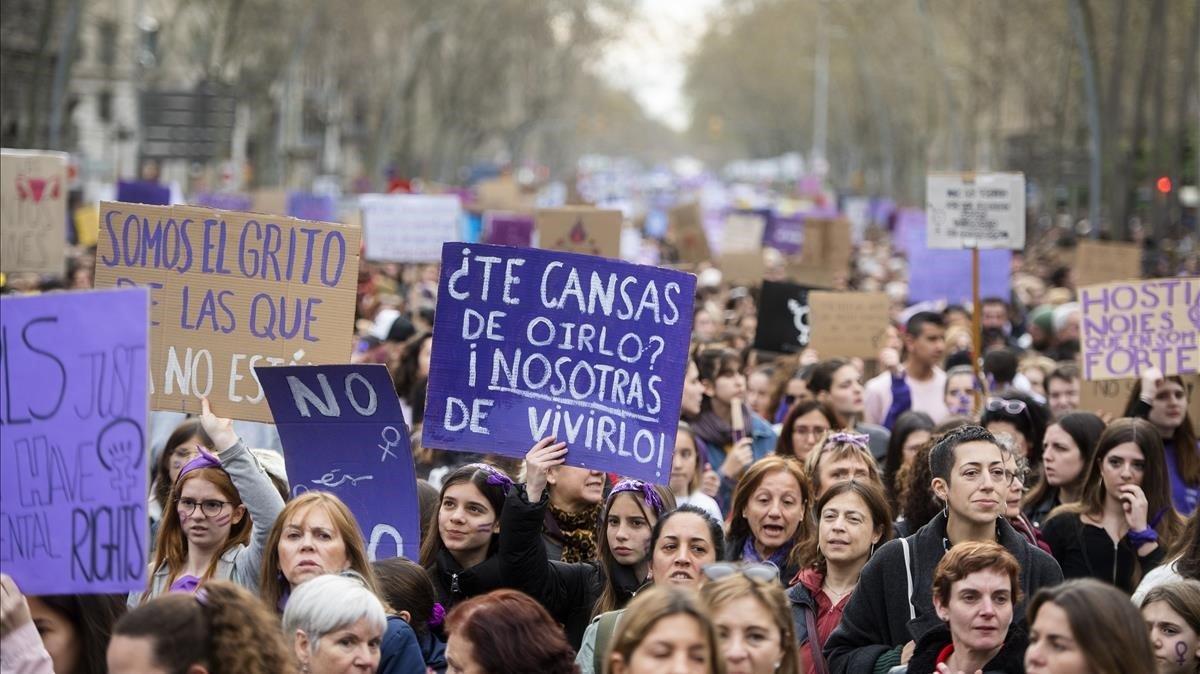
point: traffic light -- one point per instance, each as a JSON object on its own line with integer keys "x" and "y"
{"x": 1163, "y": 184}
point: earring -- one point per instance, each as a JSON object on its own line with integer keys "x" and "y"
{"x": 872, "y": 552}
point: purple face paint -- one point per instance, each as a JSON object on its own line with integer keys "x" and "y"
{"x": 1181, "y": 649}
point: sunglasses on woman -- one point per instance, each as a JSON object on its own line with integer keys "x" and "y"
{"x": 760, "y": 572}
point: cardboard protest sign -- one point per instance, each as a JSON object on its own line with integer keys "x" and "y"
{"x": 508, "y": 229}
{"x": 983, "y": 210}
{"x": 230, "y": 291}
{"x": 272, "y": 200}
{"x": 503, "y": 193}
{"x": 1128, "y": 327}
{"x": 143, "y": 192}
{"x": 1105, "y": 261}
{"x": 687, "y": 225}
{"x": 529, "y": 343}
{"x": 743, "y": 269}
{"x": 783, "y": 318}
{"x": 343, "y": 432}
{"x": 824, "y": 259}
{"x": 33, "y": 211}
{"x": 309, "y": 206}
{"x": 579, "y": 229}
{"x": 1111, "y": 396}
{"x": 408, "y": 227}
{"x": 72, "y": 452}
{"x": 848, "y": 324}
{"x": 743, "y": 232}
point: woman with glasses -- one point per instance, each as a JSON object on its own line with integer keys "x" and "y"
{"x": 852, "y": 519}
{"x": 1021, "y": 418}
{"x": 220, "y": 515}
{"x": 1018, "y": 471}
{"x": 1163, "y": 401}
{"x": 750, "y": 613}
{"x": 803, "y": 427}
{"x": 1125, "y": 522}
{"x": 182, "y": 446}
{"x": 768, "y": 519}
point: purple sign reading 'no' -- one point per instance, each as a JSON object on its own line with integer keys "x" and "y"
{"x": 530, "y": 343}
{"x": 343, "y": 432}
{"x": 72, "y": 451}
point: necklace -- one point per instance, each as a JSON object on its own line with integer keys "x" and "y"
{"x": 835, "y": 595}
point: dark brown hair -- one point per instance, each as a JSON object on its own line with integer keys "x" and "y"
{"x": 185, "y": 431}
{"x": 1184, "y": 437}
{"x": 93, "y": 617}
{"x": 877, "y": 508}
{"x": 405, "y": 586}
{"x": 510, "y": 633}
{"x": 739, "y": 528}
{"x": 783, "y": 445}
{"x": 1107, "y": 628}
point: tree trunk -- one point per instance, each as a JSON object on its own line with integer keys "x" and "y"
{"x": 1135, "y": 149}
{"x": 1183, "y": 120}
{"x": 1112, "y": 118}
{"x": 1081, "y": 24}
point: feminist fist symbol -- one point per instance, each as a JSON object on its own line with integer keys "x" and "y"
{"x": 120, "y": 450}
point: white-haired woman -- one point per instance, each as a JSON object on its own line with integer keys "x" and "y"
{"x": 336, "y": 625}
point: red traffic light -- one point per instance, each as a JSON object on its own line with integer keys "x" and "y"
{"x": 1163, "y": 184}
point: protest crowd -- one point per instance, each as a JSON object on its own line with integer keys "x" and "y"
{"x": 827, "y": 457}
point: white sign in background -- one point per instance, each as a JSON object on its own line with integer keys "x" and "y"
{"x": 986, "y": 210}
{"x": 409, "y": 227}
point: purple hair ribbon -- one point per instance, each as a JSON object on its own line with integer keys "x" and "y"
{"x": 495, "y": 476}
{"x": 647, "y": 491}
{"x": 859, "y": 440}
{"x": 202, "y": 460}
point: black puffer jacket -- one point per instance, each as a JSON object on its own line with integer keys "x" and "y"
{"x": 567, "y": 591}
{"x": 1010, "y": 659}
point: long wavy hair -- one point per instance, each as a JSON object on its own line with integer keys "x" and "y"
{"x": 171, "y": 546}
{"x": 495, "y": 494}
{"x": 1184, "y": 436}
{"x": 1085, "y": 429}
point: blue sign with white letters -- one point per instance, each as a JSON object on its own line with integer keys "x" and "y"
{"x": 529, "y": 343}
{"x": 343, "y": 432}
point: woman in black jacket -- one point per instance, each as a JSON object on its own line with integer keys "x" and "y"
{"x": 575, "y": 592}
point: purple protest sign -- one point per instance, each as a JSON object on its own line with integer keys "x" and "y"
{"x": 508, "y": 229}
{"x": 343, "y": 432}
{"x": 529, "y": 343}
{"x": 73, "y": 405}
{"x": 143, "y": 192}
{"x": 946, "y": 274}
{"x": 784, "y": 233}
{"x": 309, "y": 206}
{"x": 229, "y": 201}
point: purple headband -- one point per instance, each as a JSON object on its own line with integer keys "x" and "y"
{"x": 859, "y": 440}
{"x": 495, "y": 476}
{"x": 647, "y": 491}
{"x": 202, "y": 460}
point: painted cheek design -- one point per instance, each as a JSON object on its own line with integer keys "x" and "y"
{"x": 223, "y": 520}
{"x": 1181, "y": 649}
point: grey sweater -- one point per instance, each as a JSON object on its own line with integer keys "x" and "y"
{"x": 877, "y": 621}
{"x": 241, "y": 563}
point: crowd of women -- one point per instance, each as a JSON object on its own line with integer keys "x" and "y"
{"x": 924, "y": 519}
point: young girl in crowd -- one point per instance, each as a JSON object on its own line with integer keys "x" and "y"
{"x": 221, "y": 511}
{"x": 911, "y": 431}
{"x": 665, "y": 630}
{"x": 687, "y": 471}
{"x": 1086, "y": 627}
{"x": 335, "y": 624}
{"x": 803, "y": 427}
{"x": 769, "y": 515}
{"x": 506, "y": 632}
{"x": 1164, "y": 403}
{"x": 963, "y": 391}
{"x": 1067, "y": 449}
{"x": 852, "y": 520}
{"x": 1172, "y": 612}
{"x": 1125, "y": 522}
{"x": 683, "y": 542}
{"x": 181, "y": 447}
{"x": 405, "y": 586}
{"x": 753, "y": 624}
{"x": 577, "y": 592}
{"x": 460, "y": 552}
{"x": 314, "y": 536}
{"x": 838, "y": 384}
{"x": 729, "y": 450}
{"x": 222, "y": 628}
